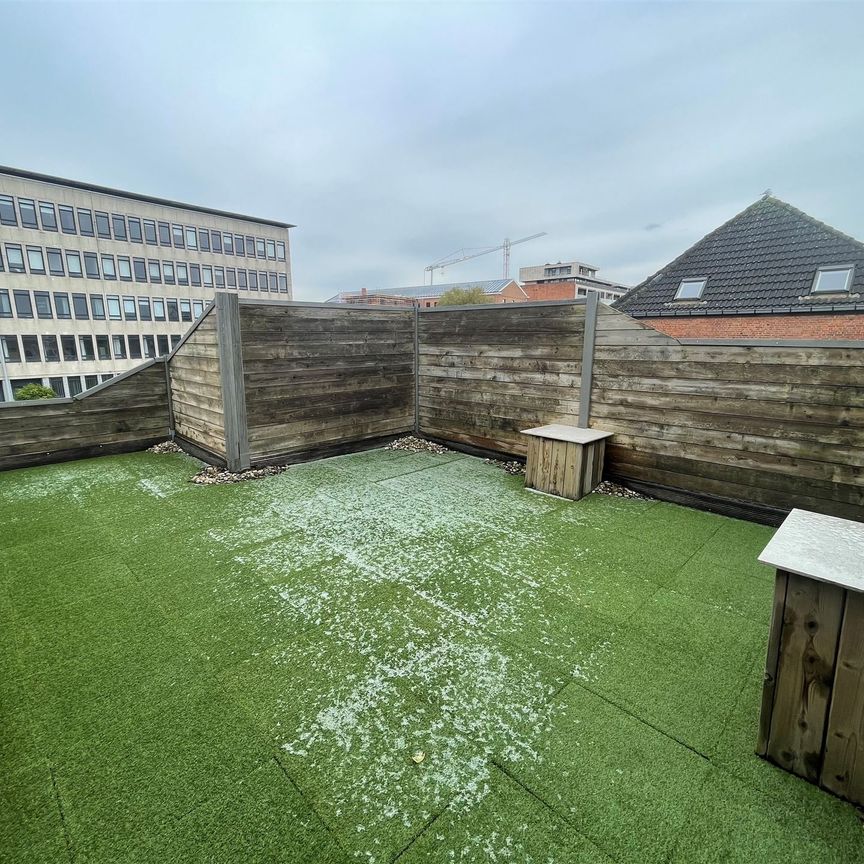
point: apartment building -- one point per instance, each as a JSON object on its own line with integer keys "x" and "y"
{"x": 567, "y": 280}
{"x": 94, "y": 280}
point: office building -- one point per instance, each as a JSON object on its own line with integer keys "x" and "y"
{"x": 94, "y": 280}
{"x": 567, "y": 280}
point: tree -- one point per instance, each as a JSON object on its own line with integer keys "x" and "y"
{"x": 464, "y": 297}
{"x": 35, "y": 391}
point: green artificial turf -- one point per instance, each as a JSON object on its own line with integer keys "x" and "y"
{"x": 243, "y": 672}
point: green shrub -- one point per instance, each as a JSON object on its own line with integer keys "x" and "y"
{"x": 464, "y": 296}
{"x": 35, "y": 391}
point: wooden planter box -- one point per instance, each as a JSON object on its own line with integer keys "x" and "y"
{"x": 812, "y": 720}
{"x": 565, "y": 460}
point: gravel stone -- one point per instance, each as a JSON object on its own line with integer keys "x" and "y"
{"x": 416, "y": 445}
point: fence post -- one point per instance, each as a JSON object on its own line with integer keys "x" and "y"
{"x": 587, "y": 373}
{"x": 170, "y": 399}
{"x": 233, "y": 387}
{"x": 416, "y": 369}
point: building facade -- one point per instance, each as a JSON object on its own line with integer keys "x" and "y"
{"x": 567, "y": 280}
{"x": 95, "y": 280}
{"x": 427, "y": 296}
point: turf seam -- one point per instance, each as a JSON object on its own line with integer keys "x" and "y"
{"x": 67, "y": 838}
{"x": 426, "y": 826}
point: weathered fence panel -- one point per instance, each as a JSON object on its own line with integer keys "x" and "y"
{"x": 129, "y": 412}
{"x": 320, "y": 379}
{"x": 486, "y": 372}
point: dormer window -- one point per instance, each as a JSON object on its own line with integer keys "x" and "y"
{"x": 832, "y": 280}
{"x": 690, "y": 289}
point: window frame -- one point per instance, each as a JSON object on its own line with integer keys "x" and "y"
{"x": 833, "y": 268}
{"x": 691, "y": 280}
{"x": 30, "y": 205}
{"x": 47, "y": 207}
{"x": 83, "y": 230}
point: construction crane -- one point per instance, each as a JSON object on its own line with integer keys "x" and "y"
{"x": 466, "y": 254}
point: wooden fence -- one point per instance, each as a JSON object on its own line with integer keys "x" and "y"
{"x": 129, "y": 412}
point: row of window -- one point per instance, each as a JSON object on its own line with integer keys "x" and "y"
{"x": 32, "y": 349}
{"x": 828, "y": 280}
{"x": 99, "y": 307}
{"x": 118, "y": 226}
{"x": 60, "y": 262}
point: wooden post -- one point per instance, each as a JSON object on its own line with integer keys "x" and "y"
{"x": 587, "y": 370}
{"x": 417, "y": 368}
{"x": 231, "y": 374}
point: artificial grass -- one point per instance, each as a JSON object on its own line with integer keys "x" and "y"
{"x": 243, "y": 672}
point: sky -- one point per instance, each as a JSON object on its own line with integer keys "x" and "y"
{"x": 393, "y": 134}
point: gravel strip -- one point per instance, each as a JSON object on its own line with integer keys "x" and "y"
{"x": 515, "y": 468}
{"x": 410, "y": 444}
{"x": 211, "y": 475}
{"x": 609, "y": 488}
{"x": 165, "y": 447}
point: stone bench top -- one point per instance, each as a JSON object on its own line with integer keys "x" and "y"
{"x": 572, "y": 434}
{"x": 819, "y": 547}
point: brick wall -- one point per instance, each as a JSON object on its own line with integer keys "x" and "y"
{"x": 551, "y": 291}
{"x": 848, "y": 326}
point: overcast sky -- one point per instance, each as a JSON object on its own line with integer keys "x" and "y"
{"x": 394, "y": 134}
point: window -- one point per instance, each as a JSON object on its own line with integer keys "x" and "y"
{"x": 173, "y": 313}
{"x": 185, "y": 310}
{"x": 55, "y": 262}
{"x": 259, "y": 248}
{"x": 90, "y": 381}
{"x": 164, "y": 234}
{"x": 91, "y": 265}
{"x": 23, "y": 307}
{"x": 149, "y": 346}
{"x": 283, "y": 283}
{"x": 182, "y": 274}
{"x": 14, "y": 258}
{"x": 30, "y": 348}
{"x": 150, "y": 232}
{"x": 119, "y": 345}
{"x": 271, "y": 281}
{"x": 140, "y": 269}
{"x": 204, "y": 239}
{"x": 219, "y": 275}
{"x": 197, "y": 308}
{"x": 280, "y": 251}
{"x": 27, "y": 209}
{"x": 250, "y": 247}
{"x": 85, "y": 222}
{"x": 134, "y": 229}
{"x": 67, "y": 219}
{"x": 144, "y": 308}
{"x": 11, "y": 352}
{"x": 73, "y": 264}
{"x": 74, "y": 382}
{"x": 239, "y": 245}
{"x": 85, "y": 343}
{"x": 103, "y": 226}
{"x": 215, "y": 241}
{"x": 129, "y": 310}
{"x": 35, "y": 259}
{"x": 155, "y": 271}
{"x": 58, "y": 386}
{"x": 5, "y": 304}
{"x": 61, "y": 304}
{"x": 103, "y": 348}
{"x": 134, "y": 347}
{"x": 114, "y": 307}
{"x": 42, "y": 299}
{"x": 175, "y": 340}
{"x": 271, "y": 250}
{"x": 70, "y": 347}
{"x": 231, "y": 277}
{"x": 253, "y": 280}
{"x": 118, "y": 221}
{"x": 108, "y": 270}
{"x": 168, "y": 272}
{"x": 7, "y": 211}
{"x": 177, "y": 233}
{"x": 79, "y": 306}
{"x": 97, "y": 307}
{"x": 48, "y": 215}
{"x": 207, "y": 276}
{"x": 163, "y": 345}
{"x": 50, "y": 349}
{"x": 228, "y": 243}
{"x": 191, "y": 238}
{"x": 195, "y": 274}
{"x": 241, "y": 279}
{"x": 832, "y": 280}
{"x": 158, "y": 309}
{"x": 262, "y": 280}
{"x": 690, "y": 289}
{"x": 124, "y": 268}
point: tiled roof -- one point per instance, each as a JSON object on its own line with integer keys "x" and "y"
{"x": 762, "y": 260}
{"x": 493, "y": 286}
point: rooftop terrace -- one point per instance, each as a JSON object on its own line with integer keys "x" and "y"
{"x": 244, "y": 672}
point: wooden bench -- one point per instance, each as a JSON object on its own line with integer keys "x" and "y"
{"x": 812, "y": 720}
{"x": 565, "y": 460}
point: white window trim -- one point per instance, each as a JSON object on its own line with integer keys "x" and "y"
{"x": 702, "y": 279}
{"x": 850, "y": 272}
